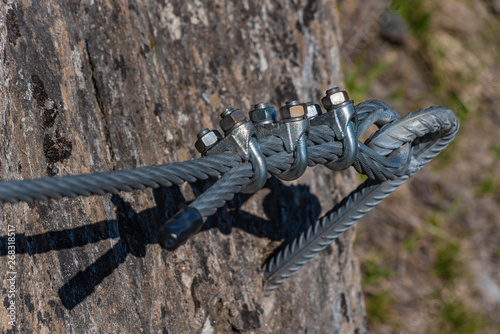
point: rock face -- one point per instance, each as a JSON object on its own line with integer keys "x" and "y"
{"x": 89, "y": 86}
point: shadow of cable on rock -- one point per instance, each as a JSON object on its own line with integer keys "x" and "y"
{"x": 293, "y": 209}
{"x": 135, "y": 232}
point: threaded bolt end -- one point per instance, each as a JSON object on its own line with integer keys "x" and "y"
{"x": 227, "y": 112}
{"x": 332, "y": 90}
{"x": 261, "y": 105}
{"x": 202, "y": 133}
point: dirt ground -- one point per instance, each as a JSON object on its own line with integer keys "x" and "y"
{"x": 430, "y": 253}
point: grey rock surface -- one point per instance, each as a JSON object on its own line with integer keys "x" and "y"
{"x": 90, "y": 86}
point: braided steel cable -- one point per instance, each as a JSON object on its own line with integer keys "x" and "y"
{"x": 138, "y": 178}
{"x": 322, "y": 233}
{"x": 391, "y": 155}
{"x": 154, "y": 176}
{"x": 113, "y": 182}
{"x": 223, "y": 190}
{"x": 278, "y": 161}
{"x": 429, "y": 132}
{"x": 322, "y": 145}
{"x": 322, "y": 150}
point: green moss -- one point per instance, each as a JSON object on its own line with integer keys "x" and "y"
{"x": 455, "y": 317}
{"x": 435, "y": 294}
{"x": 495, "y": 151}
{"x": 416, "y": 13}
{"x": 410, "y": 242}
{"x": 448, "y": 265}
{"x": 378, "y": 307}
{"x": 455, "y": 103}
{"x": 432, "y": 57}
{"x": 487, "y": 186}
{"x": 439, "y": 217}
{"x": 399, "y": 94}
{"x": 361, "y": 77}
{"x": 436, "y": 219}
{"x": 374, "y": 272}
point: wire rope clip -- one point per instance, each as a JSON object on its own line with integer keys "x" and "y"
{"x": 292, "y": 130}
{"x": 343, "y": 119}
{"x": 240, "y": 136}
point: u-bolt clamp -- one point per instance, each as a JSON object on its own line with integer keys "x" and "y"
{"x": 240, "y": 136}
{"x": 292, "y": 130}
{"x": 343, "y": 119}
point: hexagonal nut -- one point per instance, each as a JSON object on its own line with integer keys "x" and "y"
{"x": 313, "y": 110}
{"x": 263, "y": 115}
{"x": 293, "y": 111}
{"x": 229, "y": 121}
{"x": 206, "y": 141}
{"x": 332, "y": 99}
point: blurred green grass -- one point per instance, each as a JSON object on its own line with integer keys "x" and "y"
{"x": 378, "y": 307}
{"x": 448, "y": 265}
{"x": 449, "y": 85}
{"x": 455, "y": 317}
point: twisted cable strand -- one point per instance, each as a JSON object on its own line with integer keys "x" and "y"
{"x": 278, "y": 161}
{"x": 431, "y": 130}
{"x": 387, "y": 158}
{"x": 322, "y": 146}
{"x": 223, "y": 190}
{"x": 326, "y": 229}
{"x": 113, "y": 182}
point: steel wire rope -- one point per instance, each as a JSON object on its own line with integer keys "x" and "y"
{"x": 322, "y": 146}
{"x": 322, "y": 143}
{"x": 151, "y": 176}
{"x": 386, "y": 158}
{"x": 429, "y": 132}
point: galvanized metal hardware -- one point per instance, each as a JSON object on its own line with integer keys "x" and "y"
{"x": 342, "y": 118}
{"x": 291, "y": 127}
{"x": 292, "y": 130}
{"x": 206, "y": 140}
{"x": 262, "y": 114}
{"x": 299, "y": 166}
{"x": 401, "y": 147}
{"x": 337, "y": 103}
{"x": 237, "y": 133}
{"x": 296, "y": 122}
{"x": 259, "y": 164}
{"x": 240, "y": 136}
{"x": 294, "y": 118}
{"x": 313, "y": 110}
